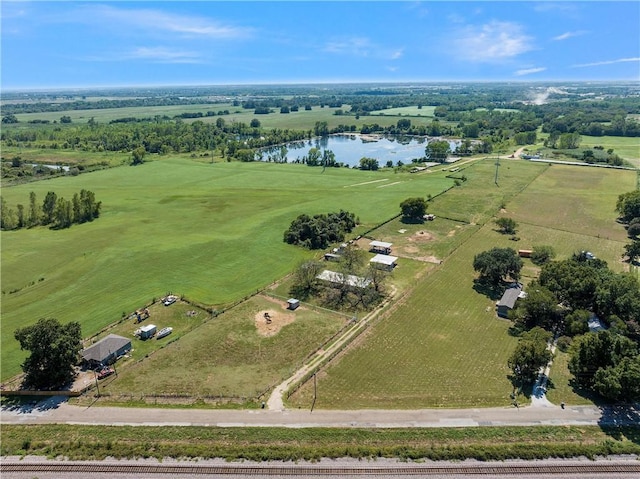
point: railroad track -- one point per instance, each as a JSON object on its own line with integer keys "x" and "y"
{"x": 507, "y": 470}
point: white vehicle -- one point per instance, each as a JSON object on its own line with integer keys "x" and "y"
{"x": 169, "y": 300}
{"x": 164, "y": 332}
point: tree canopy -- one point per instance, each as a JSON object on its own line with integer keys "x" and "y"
{"x": 507, "y": 225}
{"x": 437, "y": 150}
{"x": 54, "y": 352}
{"x": 628, "y": 205}
{"x": 530, "y": 355}
{"x": 413, "y": 209}
{"x": 321, "y": 230}
{"x": 498, "y": 264}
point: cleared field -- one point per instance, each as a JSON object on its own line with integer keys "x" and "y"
{"x": 478, "y": 198}
{"x": 210, "y": 232}
{"x": 427, "y": 111}
{"x": 300, "y": 120}
{"x": 627, "y": 148}
{"x": 574, "y": 199}
{"x": 235, "y": 354}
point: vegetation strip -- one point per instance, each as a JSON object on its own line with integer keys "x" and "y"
{"x": 268, "y": 444}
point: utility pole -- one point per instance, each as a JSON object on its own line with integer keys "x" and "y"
{"x": 315, "y": 391}
{"x": 497, "y": 166}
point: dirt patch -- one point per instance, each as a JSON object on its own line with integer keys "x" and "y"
{"x": 269, "y": 321}
{"x": 421, "y": 236}
{"x": 429, "y": 259}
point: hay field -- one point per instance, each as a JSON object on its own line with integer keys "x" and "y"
{"x": 212, "y": 232}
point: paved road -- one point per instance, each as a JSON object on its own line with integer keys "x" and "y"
{"x": 59, "y": 412}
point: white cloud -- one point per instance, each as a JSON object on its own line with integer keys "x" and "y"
{"x": 162, "y": 55}
{"x": 158, "y": 21}
{"x": 149, "y": 54}
{"x": 607, "y": 62}
{"x": 362, "y": 47}
{"x": 529, "y": 71}
{"x": 567, "y": 35}
{"x": 492, "y": 42}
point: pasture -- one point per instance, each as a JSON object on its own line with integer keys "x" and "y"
{"x": 231, "y": 355}
{"x": 413, "y": 111}
{"x": 582, "y": 200}
{"x": 443, "y": 346}
{"x": 300, "y": 120}
{"x": 627, "y": 147}
{"x": 210, "y": 232}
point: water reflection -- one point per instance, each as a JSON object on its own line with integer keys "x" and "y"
{"x": 349, "y": 149}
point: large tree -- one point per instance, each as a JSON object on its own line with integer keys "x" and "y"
{"x": 413, "y": 210}
{"x": 530, "y": 355}
{"x": 54, "y": 352}
{"x": 437, "y": 150}
{"x": 498, "y": 264}
{"x": 507, "y": 225}
{"x": 628, "y": 205}
{"x": 539, "y": 308}
{"x": 594, "y": 352}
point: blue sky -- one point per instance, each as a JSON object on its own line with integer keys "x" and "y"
{"x": 94, "y": 43}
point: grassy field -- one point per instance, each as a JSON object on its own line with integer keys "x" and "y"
{"x": 210, "y": 232}
{"x": 413, "y": 111}
{"x": 291, "y": 444}
{"x": 300, "y": 120}
{"x": 444, "y": 347}
{"x": 582, "y": 201}
{"x": 229, "y": 355}
{"x": 628, "y": 148}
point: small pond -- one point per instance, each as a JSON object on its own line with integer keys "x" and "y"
{"x": 349, "y": 149}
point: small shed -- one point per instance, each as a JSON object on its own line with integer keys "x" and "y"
{"x": 380, "y": 247}
{"x": 384, "y": 261}
{"x": 106, "y": 351}
{"x": 508, "y": 300}
{"x": 293, "y": 304}
{"x": 147, "y": 331}
{"x": 525, "y": 253}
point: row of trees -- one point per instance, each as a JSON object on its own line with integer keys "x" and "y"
{"x": 56, "y": 212}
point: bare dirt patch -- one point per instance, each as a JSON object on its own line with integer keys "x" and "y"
{"x": 269, "y": 321}
{"x": 421, "y": 236}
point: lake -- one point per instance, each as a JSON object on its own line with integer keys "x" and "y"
{"x": 348, "y": 149}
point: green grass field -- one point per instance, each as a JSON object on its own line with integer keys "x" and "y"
{"x": 212, "y": 232}
{"x": 227, "y": 356}
{"x": 444, "y": 346}
{"x": 413, "y": 111}
{"x": 300, "y": 120}
{"x": 628, "y": 148}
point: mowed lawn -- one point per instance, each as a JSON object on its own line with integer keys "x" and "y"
{"x": 578, "y": 200}
{"x": 211, "y": 232}
{"x": 228, "y": 356}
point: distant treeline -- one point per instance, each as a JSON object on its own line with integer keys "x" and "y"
{"x": 55, "y": 212}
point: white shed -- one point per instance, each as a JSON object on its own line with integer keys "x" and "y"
{"x": 147, "y": 331}
{"x": 380, "y": 247}
{"x": 384, "y": 261}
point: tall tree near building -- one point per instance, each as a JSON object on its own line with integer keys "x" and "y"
{"x": 54, "y": 352}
